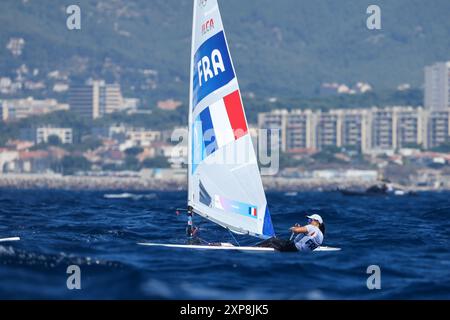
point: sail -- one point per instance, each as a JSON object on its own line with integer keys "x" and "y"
{"x": 224, "y": 180}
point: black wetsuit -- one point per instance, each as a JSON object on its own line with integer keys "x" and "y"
{"x": 278, "y": 244}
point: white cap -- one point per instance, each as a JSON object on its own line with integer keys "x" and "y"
{"x": 316, "y": 217}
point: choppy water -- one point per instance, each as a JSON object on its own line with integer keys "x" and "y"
{"x": 408, "y": 237}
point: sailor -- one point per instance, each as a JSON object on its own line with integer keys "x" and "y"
{"x": 309, "y": 237}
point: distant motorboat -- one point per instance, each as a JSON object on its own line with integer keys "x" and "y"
{"x": 372, "y": 191}
{"x": 376, "y": 190}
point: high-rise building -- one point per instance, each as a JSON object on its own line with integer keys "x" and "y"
{"x": 95, "y": 99}
{"x": 299, "y": 134}
{"x": 83, "y": 99}
{"x": 437, "y": 86}
{"x": 410, "y": 127}
{"x": 438, "y": 128}
{"x": 397, "y": 127}
{"x": 355, "y": 130}
{"x": 328, "y": 130}
{"x": 383, "y": 129}
{"x": 114, "y": 101}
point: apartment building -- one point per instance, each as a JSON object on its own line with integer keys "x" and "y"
{"x": 372, "y": 130}
{"x": 437, "y": 86}
{"x": 438, "y": 128}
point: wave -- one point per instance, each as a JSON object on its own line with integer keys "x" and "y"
{"x": 129, "y": 196}
{"x": 406, "y": 237}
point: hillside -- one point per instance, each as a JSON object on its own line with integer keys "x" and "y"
{"x": 280, "y": 48}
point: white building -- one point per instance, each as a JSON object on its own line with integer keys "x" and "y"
{"x": 15, "y": 46}
{"x": 438, "y": 128}
{"x": 16, "y": 109}
{"x": 299, "y": 136}
{"x": 410, "y": 127}
{"x": 176, "y": 155}
{"x": 437, "y": 86}
{"x": 7, "y": 159}
{"x": 354, "y": 129}
{"x": 328, "y": 130}
{"x": 142, "y": 137}
{"x": 65, "y": 135}
{"x": 113, "y": 98}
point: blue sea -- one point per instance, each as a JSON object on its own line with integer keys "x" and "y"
{"x": 408, "y": 237}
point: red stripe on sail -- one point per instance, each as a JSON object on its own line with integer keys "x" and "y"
{"x": 235, "y": 113}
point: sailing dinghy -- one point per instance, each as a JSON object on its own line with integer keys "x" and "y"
{"x": 224, "y": 182}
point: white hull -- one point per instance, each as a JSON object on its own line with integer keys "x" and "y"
{"x": 223, "y": 246}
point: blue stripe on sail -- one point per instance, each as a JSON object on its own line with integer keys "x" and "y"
{"x": 267, "y": 226}
{"x": 234, "y": 206}
{"x": 212, "y": 67}
{"x": 198, "y": 147}
{"x": 209, "y": 137}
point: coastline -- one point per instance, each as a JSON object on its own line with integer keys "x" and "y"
{"x": 138, "y": 183}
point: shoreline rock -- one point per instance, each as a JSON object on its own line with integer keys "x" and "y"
{"x": 108, "y": 183}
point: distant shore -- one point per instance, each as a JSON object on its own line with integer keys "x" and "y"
{"x": 54, "y": 181}
{"x": 136, "y": 183}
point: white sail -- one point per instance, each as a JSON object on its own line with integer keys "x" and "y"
{"x": 224, "y": 181}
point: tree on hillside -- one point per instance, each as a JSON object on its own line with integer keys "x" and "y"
{"x": 54, "y": 140}
{"x": 443, "y": 147}
{"x": 131, "y": 164}
{"x": 156, "y": 162}
{"x": 73, "y": 164}
{"x": 133, "y": 151}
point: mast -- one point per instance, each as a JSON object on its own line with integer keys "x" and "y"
{"x": 191, "y": 77}
{"x": 190, "y": 229}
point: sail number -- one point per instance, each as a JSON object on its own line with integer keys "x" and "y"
{"x": 212, "y": 67}
{"x": 209, "y": 68}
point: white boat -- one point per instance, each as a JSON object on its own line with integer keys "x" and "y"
{"x": 119, "y": 196}
{"x": 224, "y": 182}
